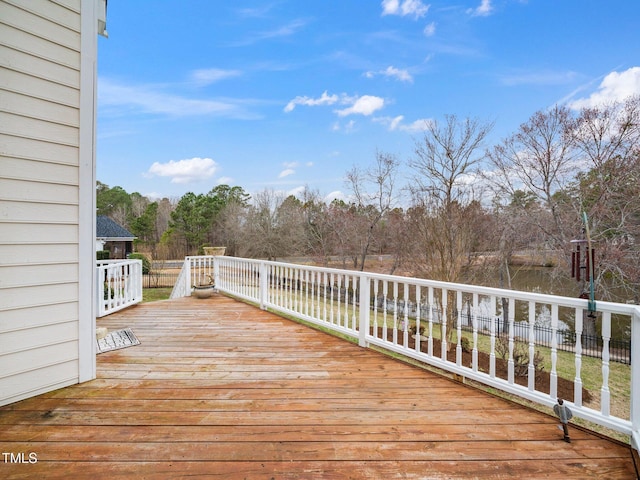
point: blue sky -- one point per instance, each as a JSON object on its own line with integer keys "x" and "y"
{"x": 284, "y": 94}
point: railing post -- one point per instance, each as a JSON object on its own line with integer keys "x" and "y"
{"x": 138, "y": 280}
{"x": 365, "y": 301}
{"x": 99, "y": 291}
{"x": 187, "y": 271}
{"x": 216, "y": 272}
{"x": 263, "y": 285}
{"x": 635, "y": 379}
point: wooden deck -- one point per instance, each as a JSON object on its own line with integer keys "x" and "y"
{"x": 221, "y": 389}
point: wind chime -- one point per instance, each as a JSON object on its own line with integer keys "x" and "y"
{"x": 582, "y": 265}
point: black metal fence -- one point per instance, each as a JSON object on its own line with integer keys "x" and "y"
{"x": 592, "y": 345}
{"x": 160, "y": 279}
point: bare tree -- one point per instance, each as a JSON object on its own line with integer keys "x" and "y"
{"x": 342, "y": 219}
{"x": 442, "y": 189}
{"x": 374, "y": 193}
{"x": 608, "y": 137}
{"x": 539, "y": 159}
{"x": 317, "y": 225}
{"x": 231, "y": 225}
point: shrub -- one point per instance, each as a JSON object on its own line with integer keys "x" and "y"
{"x": 465, "y": 344}
{"x": 520, "y": 355}
{"x": 146, "y": 263}
{"x": 412, "y": 329}
{"x": 102, "y": 255}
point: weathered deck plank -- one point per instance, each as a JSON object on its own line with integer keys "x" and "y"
{"x": 224, "y": 390}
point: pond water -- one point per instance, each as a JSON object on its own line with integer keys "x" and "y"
{"x": 542, "y": 280}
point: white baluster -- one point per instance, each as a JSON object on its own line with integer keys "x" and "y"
{"x": 405, "y": 317}
{"x": 532, "y": 346}
{"x": 332, "y": 293}
{"x": 345, "y": 321}
{"x": 605, "y": 400}
{"x": 577, "y": 381}
{"x": 395, "y": 313}
{"x": 474, "y": 321}
{"x": 430, "y": 337}
{"x": 324, "y": 302}
{"x": 385, "y": 291}
{"x": 418, "y": 319}
{"x": 443, "y": 325}
{"x": 355, "y": 281}
{"x": 375, "y": 308}
{"x": 459, "y": 328}
{"x": 511, "y": 363}
{"x": 307, "y": 282}
{"x": 339, "y": 288}
{"x": 553, "y": 376}
{"x": 492, "y": 353}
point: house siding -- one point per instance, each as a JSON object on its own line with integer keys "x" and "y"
{"x": 42, "y": 325}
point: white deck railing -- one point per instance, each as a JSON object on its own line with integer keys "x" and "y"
{"x": 196, "y": 270}
{"x": 119, "y": 285}
{"x": 384, "y": 311}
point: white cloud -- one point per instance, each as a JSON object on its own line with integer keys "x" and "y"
{"x": 404, "y": 8}
{"x": 309, "y": 164}
{"x": 364, "y": 105}
{"x": 225, "y": 181}
{"x": 153, "y": 195}
{"x": 297, "y": 191}
{"x": 286, "y": 172}
{"x": 335, "y": 195}
{"x": 211, "y": 75}
{"x": 348, "y": 127}
{"x": 324, "y": 99}
{"x": 396, "y": 124}
{"x": 254, "y": 12}
{"x": 538, "y": 78}
{"x": 393, "y": 72}
{"x": 390, "y": 7}
{"x": 150, "y": 99}
{"x": 287, "y": 30}
{"x": 184, "y": 171}
{"x": 419, "y": 125}
{"x": 290, "y": 164}
{"x": 614, "y": 87}
{"x": 430, "y": 30}
{"x": 483, "y": 10}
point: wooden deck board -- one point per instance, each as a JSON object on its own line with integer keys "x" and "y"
{"x": 221, "y": 389}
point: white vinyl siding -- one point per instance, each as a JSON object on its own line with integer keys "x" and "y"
{"x": 40, "y": 182}
{"x": 39, "y": 191}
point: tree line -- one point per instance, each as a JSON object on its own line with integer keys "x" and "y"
{"x": 467, "y": 211}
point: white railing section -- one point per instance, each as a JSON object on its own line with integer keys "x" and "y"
{"x": 390, "y": 311}
{"x": 182, "y": 287}
{"x": 119, "y": 285}
{"x": 196, "y": 270}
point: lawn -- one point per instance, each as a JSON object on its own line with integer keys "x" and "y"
{"x": 154, "y": 294}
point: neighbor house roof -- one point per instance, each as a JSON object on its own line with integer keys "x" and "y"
{"x": 109, "y": 230}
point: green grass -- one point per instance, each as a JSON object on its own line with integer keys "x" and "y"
{"x": 154, "y": 294}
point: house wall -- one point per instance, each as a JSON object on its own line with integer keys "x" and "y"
{"x": 47, "y": 317}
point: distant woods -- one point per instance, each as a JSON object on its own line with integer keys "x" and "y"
{"x": 468, "y": 212}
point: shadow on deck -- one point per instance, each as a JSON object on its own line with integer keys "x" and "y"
{"x": 221, "y": 389}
